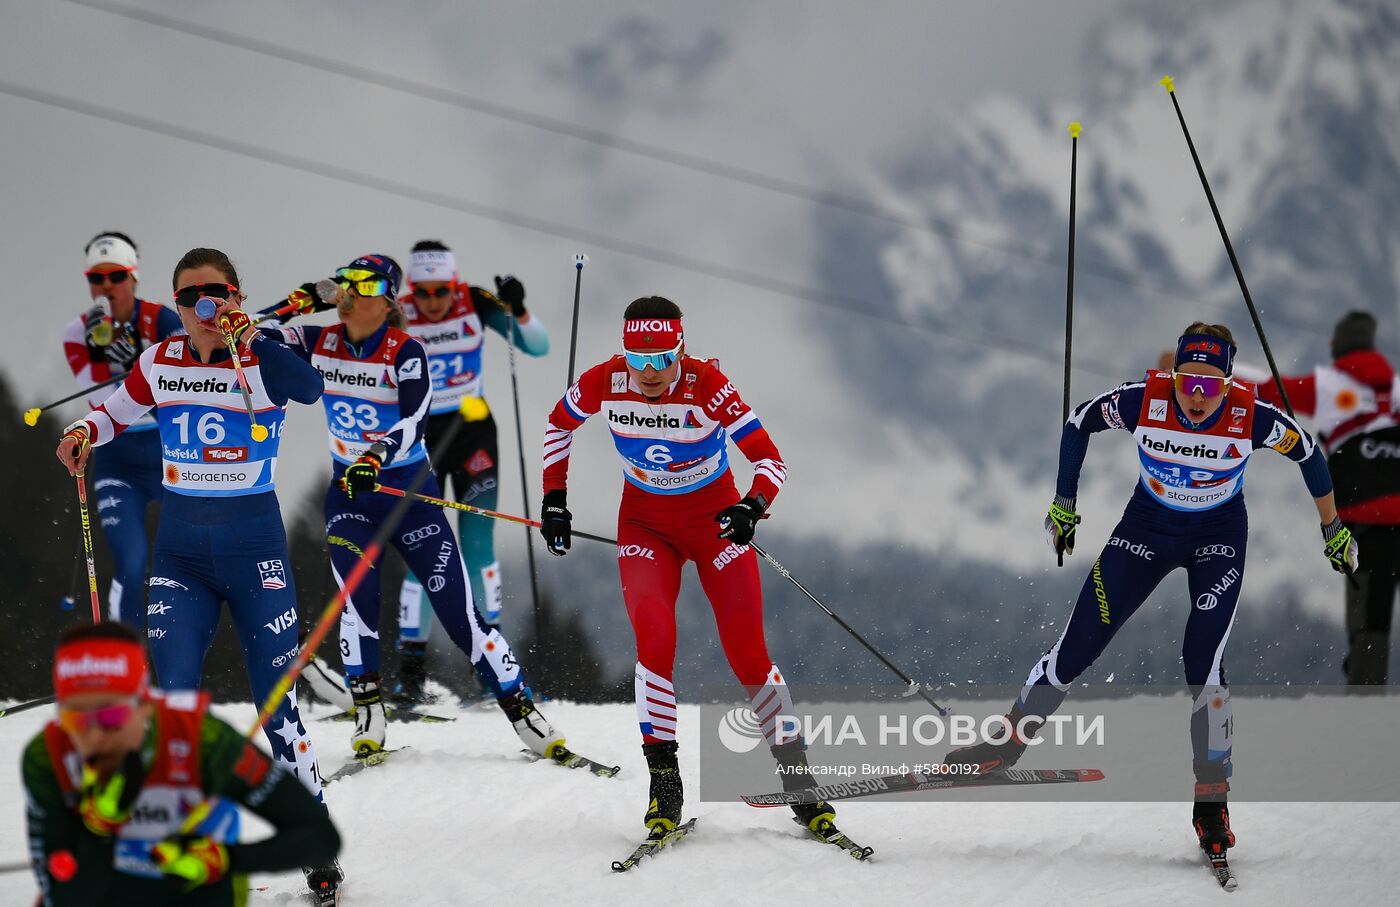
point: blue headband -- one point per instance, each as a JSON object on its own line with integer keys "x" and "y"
{"x": 1205, "y": 349}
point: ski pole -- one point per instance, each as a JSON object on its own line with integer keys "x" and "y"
{"x": 1169, "y": 84}
{"x": 31, "y": 416}
{"x": 579, "y": 261}
{"x": 87, "y": 547}
{"x": 914, "y": 687}
{"x": 278, "y": 312}
{"x": 491, "y": 514}
{"x": 524, "y": 481}
{"x": 1074, "y": 130}
{"x": 204, "y": 309}
{"x": 326, "y": 290}
{"x": 332, "y": 611}
{"x": 26, "y": 706}
{"x": 70, "y": 601}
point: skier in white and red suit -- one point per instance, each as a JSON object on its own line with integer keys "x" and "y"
{"x": 671, "y": 416}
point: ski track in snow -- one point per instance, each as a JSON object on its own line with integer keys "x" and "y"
{"x": 463, "y": 818}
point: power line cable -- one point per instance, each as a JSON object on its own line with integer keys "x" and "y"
{"x": 942, "y": 227}
{"x": 841, "y": 301}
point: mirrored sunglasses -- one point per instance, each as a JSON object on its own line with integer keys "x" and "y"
{"x": 659, "y": 361}
{"x": 1208, "y": 385}
{"x": 107, "y": 717}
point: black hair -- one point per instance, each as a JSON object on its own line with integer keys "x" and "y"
{"x": 430, "y": 245}
{"x": 107, "y": 629}
{"x": 115, "y": 233}
{"x": 1356, "y": 331}
{"x": 195, "y": 258}
{"x": 651, "y": 307}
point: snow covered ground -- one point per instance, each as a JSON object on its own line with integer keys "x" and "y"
{"x": 462, "y": 818}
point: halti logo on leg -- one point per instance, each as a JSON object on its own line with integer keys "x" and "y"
{"x": 273, "y": 574}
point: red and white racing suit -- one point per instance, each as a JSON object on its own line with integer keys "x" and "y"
{"x": 676, "y": 465}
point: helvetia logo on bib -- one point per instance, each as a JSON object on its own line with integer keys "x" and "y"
{"x": 691, "y": 421}
{"x": 739, "y": 730}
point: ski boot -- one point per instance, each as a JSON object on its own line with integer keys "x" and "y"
{"x": 1002, "y": 751}
{"x": 413, "y": 673}
{"x": 792, "y": 765}
{"x": 1211, "y": 817}
{"x": 818, "y": 818}
{"x": 667, "y": 795}
{"x": 1212, "y": 822}
{"x": 324, "y": 882}
{"x": 533, "y": 729}
{"x": 369, "y": 715}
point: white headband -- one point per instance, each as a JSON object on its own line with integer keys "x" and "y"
{"x": 112, "y": 250}
{"x": 431, "y": 264}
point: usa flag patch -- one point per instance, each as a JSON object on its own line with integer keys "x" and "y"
{"x": 274, "y": 575}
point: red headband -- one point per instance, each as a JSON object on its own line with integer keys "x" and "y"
{"x": 652, "y": 334}
{"x": 99, "y": 666}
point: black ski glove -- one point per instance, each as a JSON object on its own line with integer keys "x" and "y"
{"x": 362, "y": 476}
{"x": 123, "y": 350}
{"x": 512, "y": 293}
{"x": 738, "y": 521}
{"x": 556, "y": 523}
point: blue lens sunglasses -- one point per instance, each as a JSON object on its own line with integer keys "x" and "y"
{"x": 659, "y": 361}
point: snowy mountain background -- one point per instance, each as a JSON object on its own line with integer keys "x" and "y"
{"x": 908, "y": 366}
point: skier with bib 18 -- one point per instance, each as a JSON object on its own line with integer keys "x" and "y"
{"x": 671, "y": 417}
{"x": 1195, "y": 432}
{"x": 100, "y": 344}
{"x": 450, "y": 318}
{"x": 377, "y": 397}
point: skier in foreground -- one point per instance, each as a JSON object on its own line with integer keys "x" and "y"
{"x": 103, "y": 782}
{"x": 221, "y": 536}
{"x": 377, "y": 397}
{"x": 671, "y": 417}
{"x": 101, "y": 344}
{"x": 450, "y": 318}
{"x": 1195, "y": 432}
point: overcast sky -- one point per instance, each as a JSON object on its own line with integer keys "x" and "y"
{"x": 782, "y": 89}
{"x": 836, "y": 96}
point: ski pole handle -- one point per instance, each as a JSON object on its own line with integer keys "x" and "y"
{"x": 259, "y": 432}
